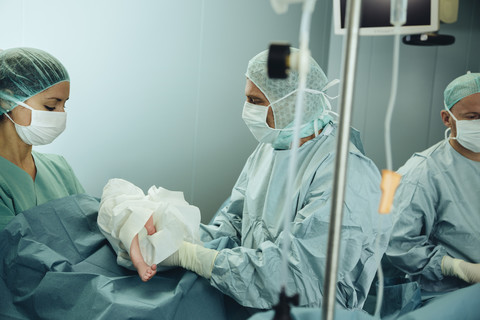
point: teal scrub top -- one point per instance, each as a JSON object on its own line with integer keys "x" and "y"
{"x": 254, "y": 220}
{"x": 18, "y": 192}
{"x": 436, "y": 212}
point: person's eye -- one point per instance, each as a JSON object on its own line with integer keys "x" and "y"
{"x": 49, "y": 108}
{"x": 473, "y": 116}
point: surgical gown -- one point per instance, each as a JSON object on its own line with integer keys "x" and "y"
{"x": 250, "y": 272}
{"x": 436, "y": 212}
{"x": 18, "y": 192}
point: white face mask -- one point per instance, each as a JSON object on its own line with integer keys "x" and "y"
{"x": 44, "y": 126}
{"x": 255, "y": 117}
{"x": 468, "y": 133}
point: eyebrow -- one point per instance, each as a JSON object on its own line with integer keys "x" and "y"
{"x": 58, "y": 99}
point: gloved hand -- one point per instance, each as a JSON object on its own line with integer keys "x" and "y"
{"x": 469, "y": 272}
{"x": 194, "y": 258}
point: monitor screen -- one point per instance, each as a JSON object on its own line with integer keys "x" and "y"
{"x": 422, "y": 17}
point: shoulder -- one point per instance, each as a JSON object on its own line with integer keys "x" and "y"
{"x": 360, "y": 161}
{"x": 363, "y": 179}
{"x": 420, "y": 176}
{"x": 361, "y": 169}
{"x": 425, "y": 162}
{"x": 359, "y": 164}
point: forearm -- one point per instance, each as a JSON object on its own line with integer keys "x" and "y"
{"x": 212, "y": 232}
{"x": 418, "y": 259}
{"x": 226, "y": 224}
{"x": 253, "y": 277}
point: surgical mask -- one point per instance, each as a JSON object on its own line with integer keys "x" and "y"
{"x": 468, "y": 133}
{"x": 255, "y": 117}
{"x": 44, "y": 126}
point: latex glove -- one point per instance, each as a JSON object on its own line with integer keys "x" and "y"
{"x": 469, "y": 272}
{"x": 194, "y": 258}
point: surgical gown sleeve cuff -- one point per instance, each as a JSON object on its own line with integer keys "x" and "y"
{"x": 435, "y": 264}
{"x": 433, "y": 270}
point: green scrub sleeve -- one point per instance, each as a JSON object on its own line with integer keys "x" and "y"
{"x": 6, "y": 214}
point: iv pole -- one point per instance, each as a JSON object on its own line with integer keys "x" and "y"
{"x": 345, "y": 111}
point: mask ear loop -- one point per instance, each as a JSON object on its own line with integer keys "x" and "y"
{"x": 446, "y": 133}
{"x": 278, "y": 100}
{"x": 322, "y": 92}
{"x": 449, "y": 129}
{"x": 284, "y": 97}
{"x": 6, "y": 114}
{"x": 331, "y": 84}
{"x": 328, "y": 85}
{"x": 327, "y": 98}
{"x": 328, "y": 107}
{"x": 19, "y": 103}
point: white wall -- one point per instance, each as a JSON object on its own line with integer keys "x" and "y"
{"x": 157, "y": 87}
{"x": 424, "y": 74}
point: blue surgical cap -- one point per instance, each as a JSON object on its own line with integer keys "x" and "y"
{"x": 274, "y": 89}
{"x": 460, "y": 88}
{"x": 25, "y": 72}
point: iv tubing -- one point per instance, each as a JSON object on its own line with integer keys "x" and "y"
{"x": 308, "y": 7}
{"x": 391, "y": 103}
{"x": 388, "y": 154}
{"x": 398, "y": 17}
{"x": 338, "y": 195}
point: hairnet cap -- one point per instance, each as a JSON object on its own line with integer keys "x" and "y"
{"x": 25, "y": 72}
{"x": 274, "y": 89}
{"x": 460, "y": 88}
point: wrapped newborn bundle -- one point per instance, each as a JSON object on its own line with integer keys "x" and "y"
{"x": 124, "y": 210}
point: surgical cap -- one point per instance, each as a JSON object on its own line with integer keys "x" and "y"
{"x": 274, "y": 89}
{"x": 25, "y": 72}
{"x": 460, "y": 88}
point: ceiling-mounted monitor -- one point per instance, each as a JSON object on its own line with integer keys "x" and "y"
{"x": 422, "y": 17}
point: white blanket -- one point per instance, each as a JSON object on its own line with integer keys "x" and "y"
{"x": 124, "y": 210}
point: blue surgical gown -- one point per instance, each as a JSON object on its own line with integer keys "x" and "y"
{"x": 250, "y": 272}
{"x": 18, "y": 192}
{"x": 436, "y": 212}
